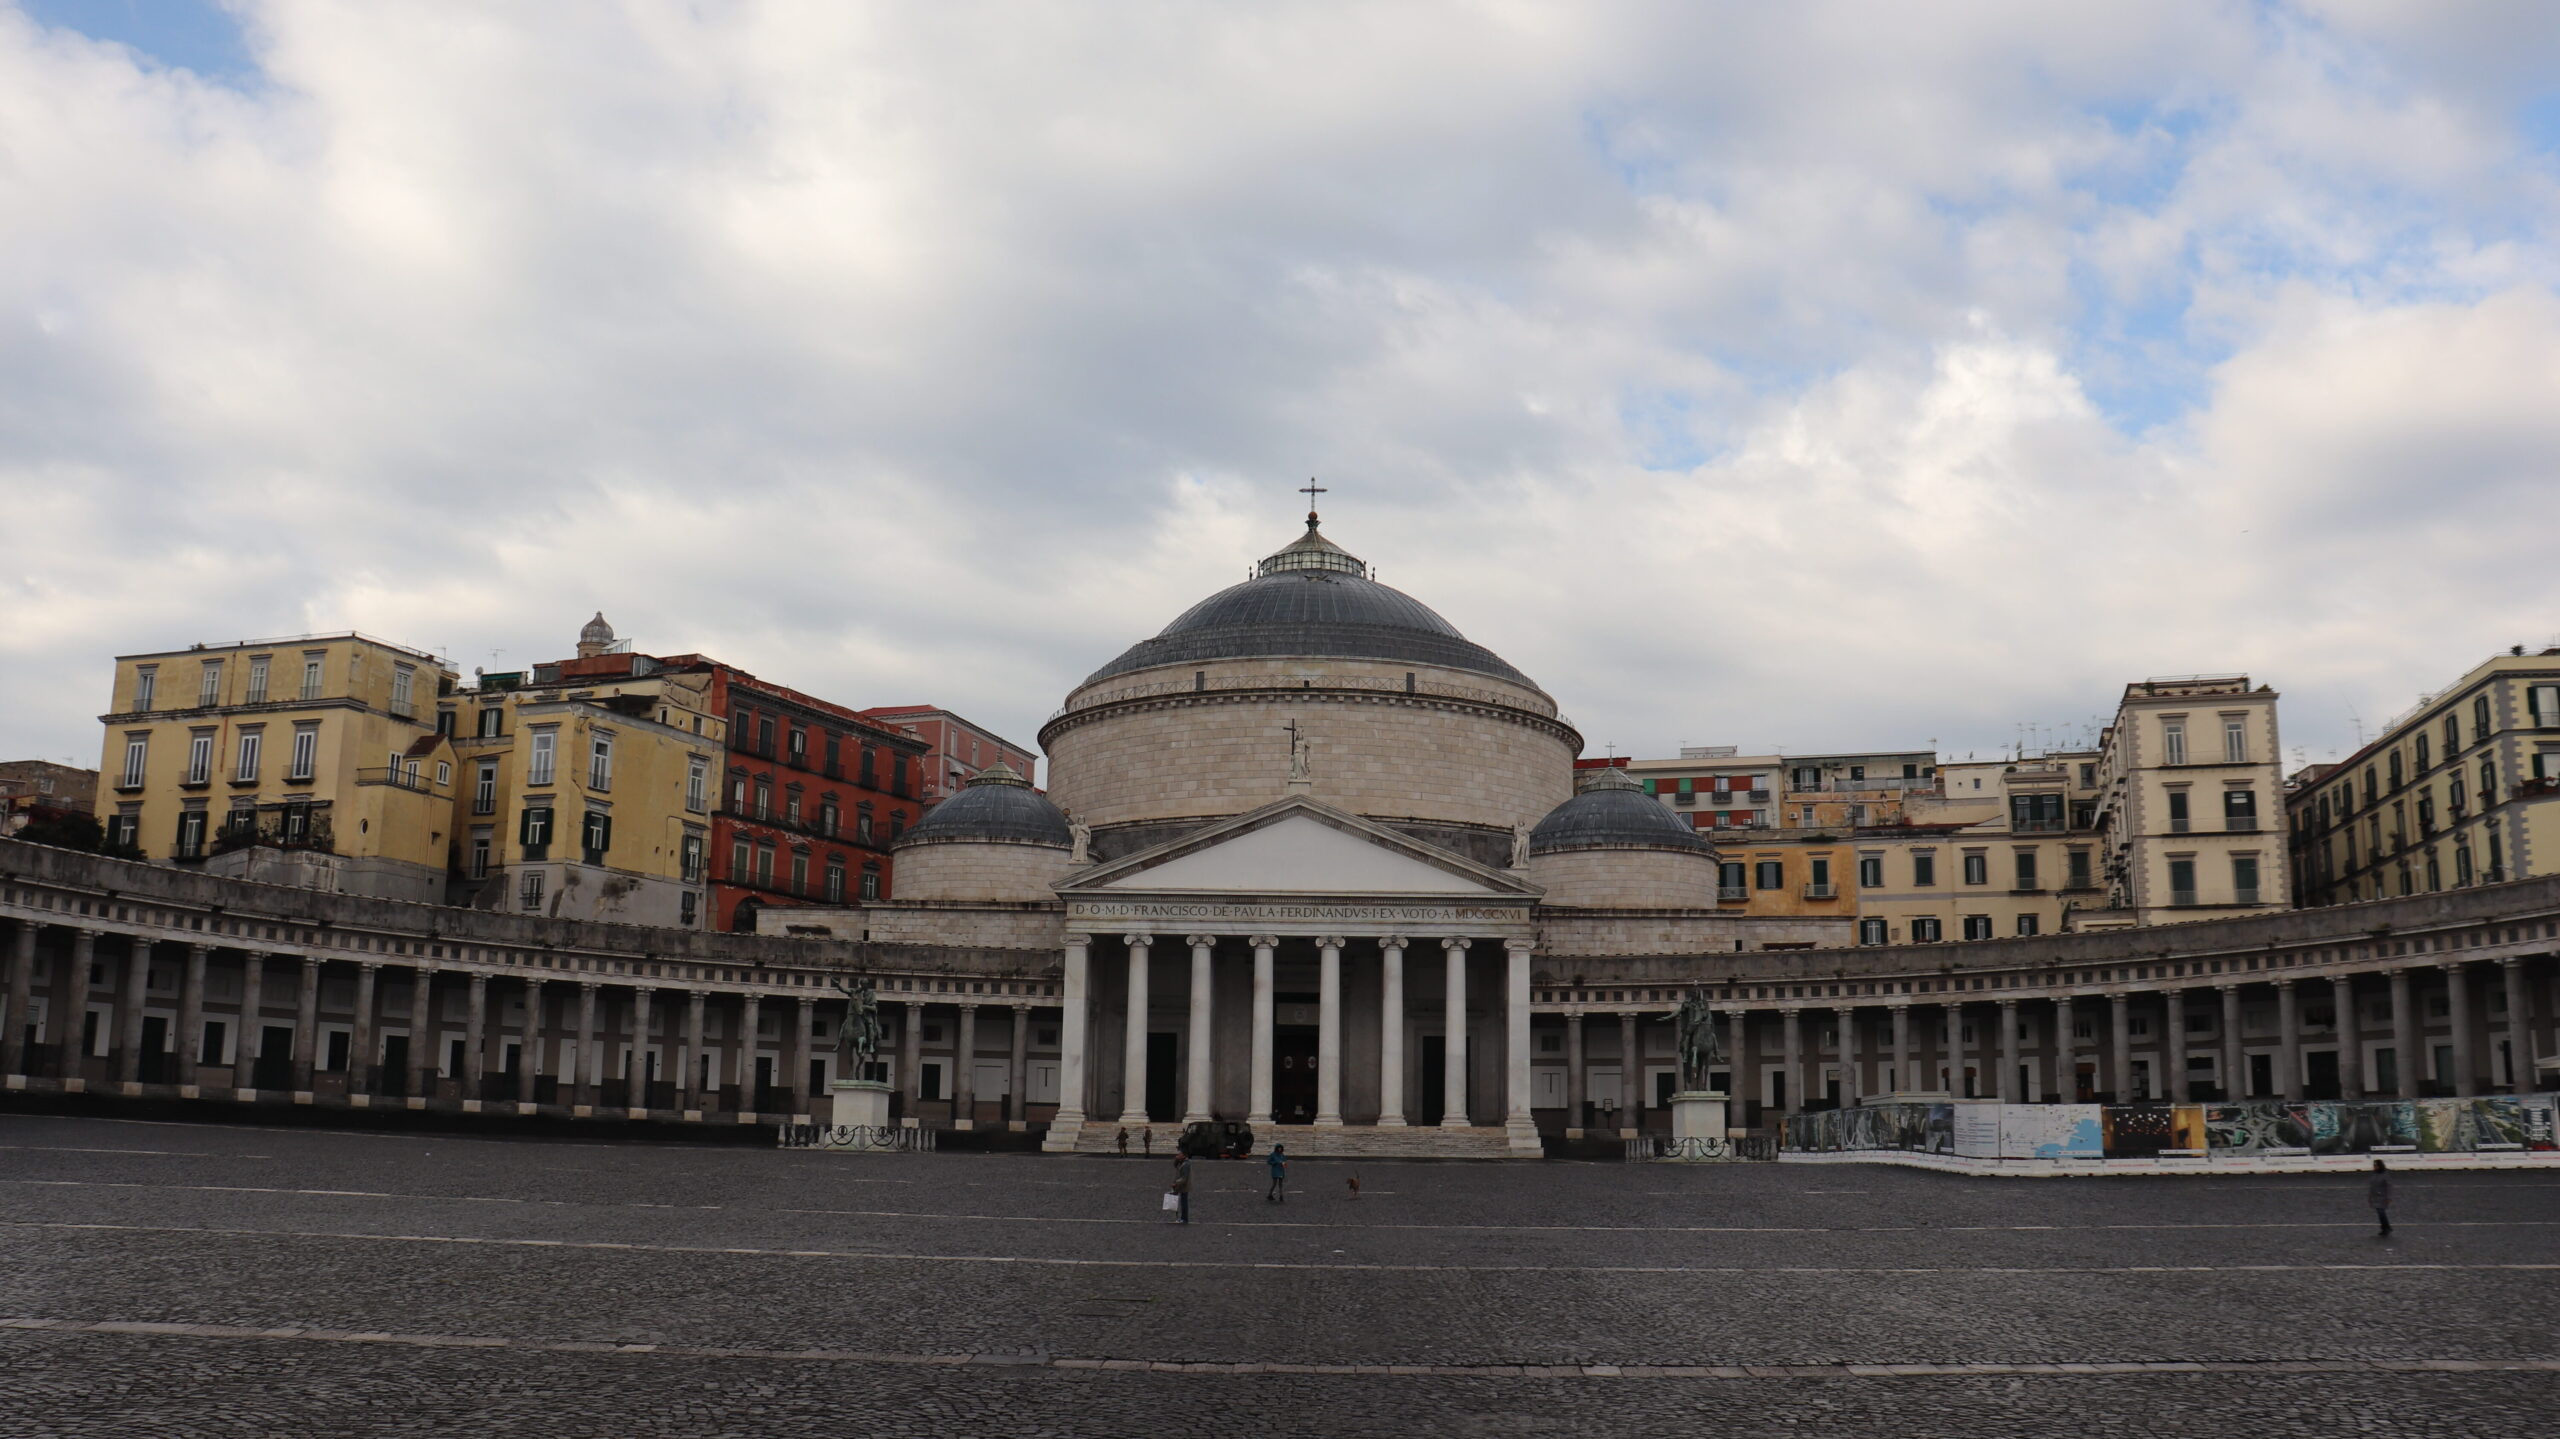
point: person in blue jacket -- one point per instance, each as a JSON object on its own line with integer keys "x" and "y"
{"x": 1279, "y": 1162}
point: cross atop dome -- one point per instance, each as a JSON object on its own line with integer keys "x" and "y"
{"x": 1312, "y": 490}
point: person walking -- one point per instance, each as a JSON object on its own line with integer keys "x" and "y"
{"x": 1182, "y": 1187}
{"x": 1147, "y": 1142}
{"x": 1124, "y": 1140}
{"x": 2377, "y": 1193}
{"x": 1279, "y": 1163}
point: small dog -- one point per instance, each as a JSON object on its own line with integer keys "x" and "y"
{"x": 1354, "y": 1182}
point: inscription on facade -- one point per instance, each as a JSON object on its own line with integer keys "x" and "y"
{"x": 1344, "y": 914}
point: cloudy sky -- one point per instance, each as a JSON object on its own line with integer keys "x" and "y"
{"x": 1807, "y": 376}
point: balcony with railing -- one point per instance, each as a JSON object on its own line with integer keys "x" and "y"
{"x": 1733, "y": 893}
{"x": 1821, "y": 891}
{"x": 401, "y": 777}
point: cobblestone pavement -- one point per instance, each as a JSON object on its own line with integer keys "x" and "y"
{"x": 216, "y": 1280}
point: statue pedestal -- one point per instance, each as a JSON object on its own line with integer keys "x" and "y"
{"x": 860, "y": 1104}
{"x": 1698, "y": 1114}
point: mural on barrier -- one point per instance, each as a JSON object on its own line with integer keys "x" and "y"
{"x": 2142, "y": 1131}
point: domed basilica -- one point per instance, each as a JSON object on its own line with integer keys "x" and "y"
{"x": 1303, "y": 855}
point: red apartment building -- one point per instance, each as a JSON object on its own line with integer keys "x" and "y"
{"x": 959, "y": 749}
{"x": 813, "y": 797}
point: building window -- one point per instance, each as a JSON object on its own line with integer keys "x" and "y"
{"x": 600, "y": 763}
{"x": 870, "y": 884}
{"x": 738, "y": 871}
{"x": 799, "y": 873}
{"x": 209, "y": 686}
{"x": 2543, "y": 700}
{"x": 764, "y": 865}
{"x": 1871, "y": 871}
{"x": 311, "y": 676}
{"x": 1871, "y": 931}
{"x": 827, "y": 818}
{"x": 484, "y": 788}
{"x": 531, "y": 892}
{"x": 191, "y": 834}
{"x": 1977, "y": 926}
{"x": 697, "y": 784}
{"x": 2426, "y": 754}
{"x": 2077, "y": 863}
{"x": 444, "y": 773}
{"x": 870, "y": 768}
{"x": 1769, "y": 874}
{"x": 1977, "y": 869}
{"x": 2240, "y": 809}
{"x": 1732, "y": 879}
{"x": 2244, "y": 878}
{"x": 862, "y": 826}
{"x": 200, "y": 759}
{"x": 2182, "y": 882}
{"x": 595, "y": 835}
{"x": 791, "y": 805}
{"x": 137, "y": 753}
{"x": 835, "y": 752}
{"x": 1925, "y": 931}
{"x": 2035, "y": 813}
{"x": 480, "y": 856}
{"x": 764, "y": 735}
{"x": 251, "y": 743}
{"x": 492, "y": 721}
{"x": 404, "y": 682}
{"x": 2026, "y": 924}
{"x": 2027, "y": 869}
{"x": 835, "y": 881}
{"x": 764, "y": 798}
{"x": 2179, "y": 820}
{"x": 294, "y": 825}
{"x": 2462, "y": 865}
{"x": 688, "y": 907}
{"x": 2398, "y": 776}
{"x": 2235, "y": 739}
{"x": 691, "y": 858}
{"x": 146, "y": 686}
{"x": 799, "y": 746}
{"x": 542, "y": 760}
{"x": 2173, "y": 741}
{"x": 1924, "y": 871}
{"x": 533, "y": 831}
{"x": 257, "y": 680}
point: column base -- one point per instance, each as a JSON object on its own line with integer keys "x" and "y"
{"x": 471, "y": 1106}
{"x": 1391, "y": 1121}
{"x": 74, "y": 1086}
{"x": 1135, "y": 1121}
{"x": 1328, "y": 1121}
{"x": 1191, "y": 1119}
{"x": 1521, "y": 1132}
{"x": 1456, "y": 1121}
{"x": 189, "y": 1091}
{"x": 17, "y": 1081}
{"x": 1259, "y": 1121}
{"x": 582, "y": 1111}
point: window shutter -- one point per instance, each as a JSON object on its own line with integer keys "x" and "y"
{"x": 604, "y": 831}
{"x": 524, "y": 826}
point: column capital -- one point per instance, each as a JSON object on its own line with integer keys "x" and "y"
{"x": 1331, "y": 941}
{"x": 199, "y": 950}
{"x": 477, "y": 979}
{"x": 589, "y": 985}
{"x": 1456, "y": 946}
{"x": 1075, "y": 940}
{"x": 803, "y": 1000}
{"x": 1200, "y": 941}
{"x": 1393, "y": 941}
{"x": 1519, "y": 946}
{"x": 368, "y": 966}
{"x": 1264, "y": 941}
{"x": 2008, "y": 1003}
{"x": 1138, "y": 941}
{"x": 1022, "y": 1006}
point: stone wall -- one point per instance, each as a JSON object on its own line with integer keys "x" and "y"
{"x": 1704, "y": 935}
{"x": 1628, "y": 878}
{"x": 1016, "y": 873}
{"x": 919, "y": 925}
{"x": 1430, "y": 758}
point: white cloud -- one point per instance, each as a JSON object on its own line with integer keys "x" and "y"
{"x": 1816, "y": 375}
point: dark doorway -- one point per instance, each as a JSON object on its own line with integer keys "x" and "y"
{"x": 2386, "y": 1072}
{"x": 1162, "y": 1107}
{"x": 157, "y": 1061}
{"x": 2084, "y": 1083}
{"x": 273, "y": 1068}
{"x": 1778, "y": 1089}
{"x": 1293, "y": 1074}
{"x": 1435, "y": 1069}
{"x": 2262, "y": 1075}
{"x": 394, "y": 1079}
{"x": 2320, "y": 1078}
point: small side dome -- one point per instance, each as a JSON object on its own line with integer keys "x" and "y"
{"x": 595, "y": 637}
{"x": 997, "y": 806}
{"x": 1612, "y": 812}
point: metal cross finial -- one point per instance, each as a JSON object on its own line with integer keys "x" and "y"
{"x": 1311, "y": 490}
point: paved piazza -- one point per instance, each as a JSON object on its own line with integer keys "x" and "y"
{"x": 207, "y": 1279}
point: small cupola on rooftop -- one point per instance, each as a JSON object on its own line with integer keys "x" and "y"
{"x": 595, "y": 638}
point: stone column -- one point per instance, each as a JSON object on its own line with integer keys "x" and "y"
{"x": 1846, "y": 1020}
{"x": 529, "y": 1049}
{"x": 1391, "y": 1023}
{"x": 1574, "y": 1091}
{"x": 1196, "y": 1098}
{"x": 638, "y": 1080}
{"x": 2173, "y": 1014}
{"x": 1017, "y": 1070}
{"x": 586, "y": 1082}
{"x": 244, "y": 1051}
{"x": 71, "y": 1025}
{"x": 689, "y": 1086}
{"x": 1258, "y": 1102}
{"x": 1737, "y": 1034}
{"x": 2349, "y": 1027}
{"x": 2007, "y": 1088}
{"x": 2066, "y": 1051}
{"x": 1791, "y": 1037}
{"x": 189, "y": 1040}
{"x": 306, "y": 1027}
{"x": 1329, "y": 1032}
{"x": 2288, "y": 1040}
{"x": 2120, "y": 1047}
{"x": 2405, "y": 1039}
{"x": 795, "y": 1054}
{"x": 2466, "y": 1068}
{"x": 964, "y": 1070}
{"x": 1515, "y": 1040}
{"x": 1902, "y": 1049}
{"x": 422, "y": 1042}
{"x": 2519, "y": 1027}
{"x": 910, "y": 1057}
{"x": 1133, "y": 1048}
{"x": 22, "y": 979}
{"x": 750, "y": 1045}
{"x": 1630, "y": 1077}
{"x": 1071, "y": 1034}
{"x": 362, "y": 1077}
{"x": 475, "y": 1037}
{"x": 2235, "y": 1056}
{"x": 129, "y": 995}
{"x": 1453, "y": 1055}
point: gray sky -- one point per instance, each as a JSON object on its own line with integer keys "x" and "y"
{"x": 1810, "y": 376}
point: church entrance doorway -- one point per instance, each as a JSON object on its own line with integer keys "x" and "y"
{"x": 1163, "y": 1105}
{"x": 1293, "y": 1074}
{"x": 1435, "y": 1079}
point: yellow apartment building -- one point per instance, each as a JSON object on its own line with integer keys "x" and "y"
{"x": 585, "y": 789}
{"x": 2191, "y": 804}
{"x": 2463, "y": 789}
{"x": 2001, "y": 848}
{"x": 309, "y": 760}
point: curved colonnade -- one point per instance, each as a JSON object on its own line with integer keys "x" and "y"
{"x": 130, "y": 979}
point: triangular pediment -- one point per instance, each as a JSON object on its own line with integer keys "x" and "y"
{"x": 1298, "y": 847}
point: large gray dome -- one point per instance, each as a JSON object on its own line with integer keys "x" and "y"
{"x": 1614, "y": 812}
{"x": 1312, "y": 600}
{"x": 996, "y": 806}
